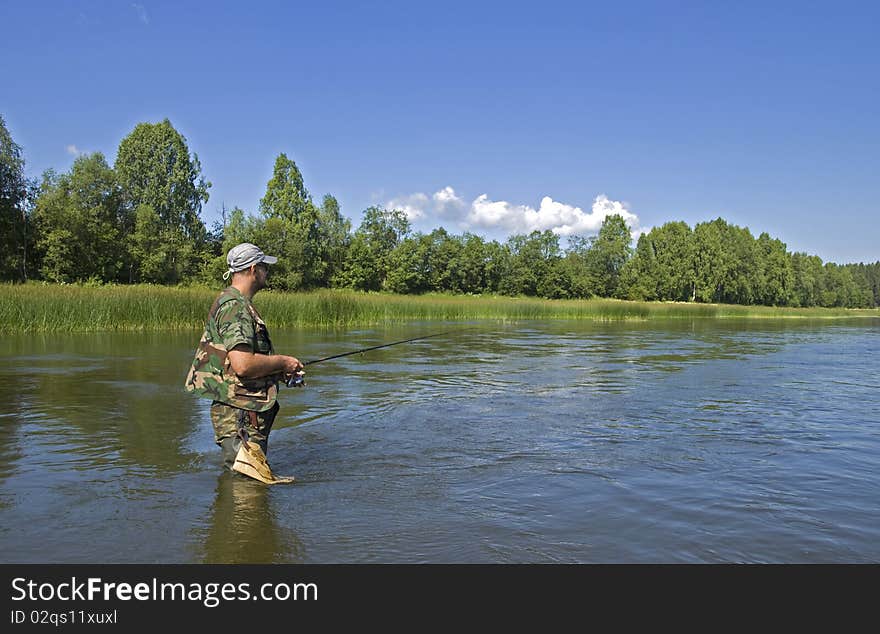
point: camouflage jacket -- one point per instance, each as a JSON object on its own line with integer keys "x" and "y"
{"x": 232, "y": 321}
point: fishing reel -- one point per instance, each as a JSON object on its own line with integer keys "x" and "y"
{"x": 297, "y": 379}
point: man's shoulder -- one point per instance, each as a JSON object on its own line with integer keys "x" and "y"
{"x": 231, "y": 306}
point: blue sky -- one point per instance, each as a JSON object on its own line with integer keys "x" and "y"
{"x": 481, "y": 116}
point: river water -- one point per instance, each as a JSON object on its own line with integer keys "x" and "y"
{"x": 673, "y": 441}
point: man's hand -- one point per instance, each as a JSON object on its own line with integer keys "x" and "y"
{"x": 293, "y": 372}
{"x": 291, "y": 365}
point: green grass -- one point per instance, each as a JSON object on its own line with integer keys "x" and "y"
{"x": 53, "y": 308}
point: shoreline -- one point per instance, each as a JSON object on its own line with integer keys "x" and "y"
{"x": 31, "y": 308}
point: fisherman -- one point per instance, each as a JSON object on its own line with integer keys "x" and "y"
{"x": 237, "y": 368}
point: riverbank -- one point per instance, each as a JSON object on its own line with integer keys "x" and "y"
{"x": 70, "y": 308}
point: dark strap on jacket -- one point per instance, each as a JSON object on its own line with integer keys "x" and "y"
{"x": 246, "y": 416}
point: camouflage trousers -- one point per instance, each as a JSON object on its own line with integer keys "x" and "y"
{"x": 225, "y": 419}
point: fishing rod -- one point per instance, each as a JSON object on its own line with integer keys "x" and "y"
{"x": 297, "y": 379}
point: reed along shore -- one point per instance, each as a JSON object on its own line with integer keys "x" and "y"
{"x": 72, "y": 308}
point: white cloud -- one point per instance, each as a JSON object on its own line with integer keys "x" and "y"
{"x": 443, "y": 204}
{"x": 141, "y": 12}
{"x": 447, "y": 202}
{"x": 558, "y": 217}
{"x": 505, "y": 218}
{"x": 73, "y": 150}
{"x": 415, "y": 206}
{"x": 497, "y": 214}
{"x": 604, "y": 207}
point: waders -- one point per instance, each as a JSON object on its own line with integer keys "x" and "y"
{"x": 250, "y": 459}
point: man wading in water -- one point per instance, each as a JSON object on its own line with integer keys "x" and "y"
{"x": 236, "y": 367}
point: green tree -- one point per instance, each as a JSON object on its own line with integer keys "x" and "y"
{"x": 710, "y": 261}
{"x": 408, "y": 266}
{"x": 213, "y": 255}
{"x": 243, "y": 227}
{"x": 731, "y": 266}
{"x": 874, "y": 282}
{"x": 744, "y": 267}
{"x": 218, "y": 244}
{"x": 839, "y": 288}
{"x": 576, "y": 263}
{"x": 499, "y": 263}
{"x": 334, "y": 235}
{"x": 310, "y": 241}
{"x": 163, "y": 191}
{"x": 239, "y": 228}
{"x": 78, "y": 217}
{"x": 867, "y": 280}
{"x": 672, "y": 244}
{"x": 289, "y": 218}
{"x": 153, "y": 247}
{"x": 470, "y": 264}
{"x": 639, "y": 276}
{"x": 531, "y": 264}
{"x": 608, "y": 253}
{"x": 15, "y": 233}
{"x": 276, "y": 236}
{"x": 368, "y": 258}
{"x": 555, "y": 282}
{"x": 286, "y": 194}
{"x": 776, "y": 282}
{"x": 807, "y": 274}
{"x": 443, "y": 254}
{"x": 439, "y": 262}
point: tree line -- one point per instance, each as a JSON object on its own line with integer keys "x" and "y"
{"x": 139, "y": 221}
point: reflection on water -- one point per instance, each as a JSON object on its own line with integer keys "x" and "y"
{"x": 673, "y": 441}
{"x": 243, "y": 526}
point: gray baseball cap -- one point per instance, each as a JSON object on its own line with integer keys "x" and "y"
{"x": 243, "y": 256}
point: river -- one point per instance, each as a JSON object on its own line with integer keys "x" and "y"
{"x": 536, "y": 442}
